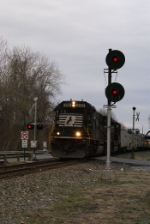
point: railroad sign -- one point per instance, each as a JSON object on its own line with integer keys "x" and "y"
{"x": 24, "y": 135}
{"x": 33, "y": 144}
{"x": 24, "y": 143}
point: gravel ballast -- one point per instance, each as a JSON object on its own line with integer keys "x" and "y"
{"x": 27, "y": 194}
{"x": 23, "y": 196}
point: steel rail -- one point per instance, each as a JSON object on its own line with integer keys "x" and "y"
{"x": 24, "y": 169}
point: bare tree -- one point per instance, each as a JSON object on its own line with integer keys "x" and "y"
{"x": 24, "y": 76}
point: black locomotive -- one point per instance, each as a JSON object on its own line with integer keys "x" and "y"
{"x": 80, "y": 131}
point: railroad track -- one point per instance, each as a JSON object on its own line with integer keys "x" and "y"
{"x": 9, "y": 171}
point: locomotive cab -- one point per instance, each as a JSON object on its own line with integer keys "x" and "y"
{"x": 76, "y": 131}
{"x": 80, "y": 131}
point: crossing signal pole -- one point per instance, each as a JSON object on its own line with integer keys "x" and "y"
{"x": 35, "y": 117}
{"x": 114, "y": 92}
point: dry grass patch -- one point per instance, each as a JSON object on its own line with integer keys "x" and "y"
{"x": 142, "y": 155}
{"x": 125, "y": 200}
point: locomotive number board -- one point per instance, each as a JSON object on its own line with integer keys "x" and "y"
{"x": 76, "y": 105}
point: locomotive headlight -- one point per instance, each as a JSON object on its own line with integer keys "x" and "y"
{"x": 57, "y": 133}
{"x": 73, "y": 103}
{"x": 78, "y": 133}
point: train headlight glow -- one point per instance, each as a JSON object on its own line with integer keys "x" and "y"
{"x": 57, "y": 133}
{"x": 78, "y": 134}
{"x": 73, "y": 103}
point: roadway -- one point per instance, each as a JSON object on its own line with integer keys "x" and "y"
{"x": 12, "y": 157}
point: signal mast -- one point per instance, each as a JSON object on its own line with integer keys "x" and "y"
{"x": 114, "y": 91}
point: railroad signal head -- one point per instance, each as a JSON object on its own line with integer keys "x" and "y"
{"x": 114, "y": 92}
{"x": 115, "y": 59}
{"x": 30, "y": 126}
{"x": 40, "y": 126}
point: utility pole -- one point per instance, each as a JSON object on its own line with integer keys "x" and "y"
{"x": 35, "y": 117}
{"x": 35, "y": 124}
{"x": 133, "y": 132}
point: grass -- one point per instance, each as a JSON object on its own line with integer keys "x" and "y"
{"x": 142, "y": 155}
{"x": 125, "y": 200}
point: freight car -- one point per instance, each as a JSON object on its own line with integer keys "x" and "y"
{"x": 128, "y": 138}
{"x": 80, "y": 131}
{"x": 147, "y": 140}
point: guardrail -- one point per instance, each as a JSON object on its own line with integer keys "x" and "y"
{"x": 5, "y": 155}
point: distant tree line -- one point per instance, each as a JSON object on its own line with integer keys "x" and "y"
{"x": 25, "y": 75}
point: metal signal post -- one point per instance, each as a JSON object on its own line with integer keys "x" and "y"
{"x": 108, "y": 124}
{"x": 114, "y": 92}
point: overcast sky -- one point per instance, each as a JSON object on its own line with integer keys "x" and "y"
{"x": 77, "y": 34}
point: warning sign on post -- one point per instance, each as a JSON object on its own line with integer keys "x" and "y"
{"x": 24, "y": 143}
{"x": 24, "y": 135}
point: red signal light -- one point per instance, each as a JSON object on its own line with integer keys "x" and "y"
{"x": 115, "y": 59}
{"x": 114, "y": 92}
{"x": 30, "y": 126}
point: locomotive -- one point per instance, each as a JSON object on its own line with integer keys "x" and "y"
{"x": 80, "y": 131}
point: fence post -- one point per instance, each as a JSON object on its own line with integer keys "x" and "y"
{"x": 18, "y": 157}
{"x": 5, "y": 159}
{"x": 29, "y": 156}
